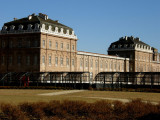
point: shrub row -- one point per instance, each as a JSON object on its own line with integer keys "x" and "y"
{"x": 80, "y": 110}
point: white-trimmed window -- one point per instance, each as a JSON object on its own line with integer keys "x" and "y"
{"x": 61, "y": 46}
{"x": 106, "y": 65}
{"x": 67, "y": 46}
{"x": 81, "y": 62}
{"x": 111, "y": 66}
{"x": 56, "y": 61}
{"x": 61, "y": 61}
{"x": 96, "y": 64}
{"x": 86, "y": 63}
{"x": 67, "y": 62}
{"x": 73, "y": 62}
{"x": 73, "y": 47}
{"x": 50, "y": 60}
{"x": 122, "y": 67}
{"x": 91, "y": 64}
{"x": 115, "y": 66}
{"x": 50, "y": 44}
{"x": 118, "y": 66}
{"x": 43, "y": 43}
{"x": 43, "y": 59}
{"x": 56, "y": 45}
{"x": 101, "y": 64}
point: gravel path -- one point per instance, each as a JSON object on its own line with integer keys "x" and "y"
{"x": 61, "y": 92}
{"x": 116, "y": 99}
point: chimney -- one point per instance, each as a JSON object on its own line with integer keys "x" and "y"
{"x": 30, "y": 17}
{"x": 44, "y": 16}
{"x": 57, "y": 21}
{"x": 126, "y": 38}
{"x": 15, "y": 19}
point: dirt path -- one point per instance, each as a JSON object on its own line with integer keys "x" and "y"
{"x": 116, "y": 99}
{"x": 61, "y": 92}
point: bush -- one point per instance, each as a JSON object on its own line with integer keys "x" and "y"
{"x": 12, "y": 112}
{"x": 79, "y": 110}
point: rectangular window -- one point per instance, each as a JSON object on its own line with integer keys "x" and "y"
{"x": 35, "y": 60}
{"x": 73, "y": 47}
{"x": 19, "y": 60}
{"x": 35, "y": 43}
{"x": 50, "y": 58}
{"x": 28, "y": 60}
{"x": 101, "y": 64}
{"x": 28, "y": 43}
{"x": 61, "y": 61}
{"x": 122, "y": 66}
{"x": 67, "y": 62}
{"x": 56, "y": 45}
{"x": 67, "y": 46}
{"x": 56, "y": 61}
{"x": 72, "y": 62}
{"x": 86, "y": 63}
{"x": 10, "y": 60}
{"x": 10, "y": 44}
{"x": 61, "y": 45}
{"x": 91, "y": 63}
{"x": 2, "y": 60}
{"x": 106, "y": 65}
{"x": 81, "y": 62}
{"x": 96, "y": 64}
{"x": 43, "y": 59}
{"x": 115, "y": 66}
{"x": 3, "y": 43}
{"x": 111, "y": 66}
{"x": 50, "y": 44}
{"x": 43, "y": 43}
{"x": 19, "y": 43}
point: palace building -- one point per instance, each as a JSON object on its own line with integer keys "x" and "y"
{"x": 39, "y": 44}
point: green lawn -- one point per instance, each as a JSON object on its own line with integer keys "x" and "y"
{"x": 16, "y": 96}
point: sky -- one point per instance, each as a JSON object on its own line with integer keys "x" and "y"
{"x": 97, "y": 23}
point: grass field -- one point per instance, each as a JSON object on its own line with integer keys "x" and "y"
{"x": 15, "y": 96}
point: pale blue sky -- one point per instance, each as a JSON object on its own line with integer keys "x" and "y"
{"x": 97, "y": 23}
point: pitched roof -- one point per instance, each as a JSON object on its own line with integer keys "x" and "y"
{"x": 37, "y": 19}
{"x": 128, "y": 40}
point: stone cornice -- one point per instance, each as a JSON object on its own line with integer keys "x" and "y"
{"x": 38, "y": 29}
{"x": 100, "y": 55}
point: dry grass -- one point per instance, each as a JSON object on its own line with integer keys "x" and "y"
{"x": 16, "y": 96}
{"x": 80, "y": 110}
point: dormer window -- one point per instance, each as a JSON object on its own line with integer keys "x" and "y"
{"x": 29, "y": 26}
{"x": 125, "y": 45}
{"x": 131, "y": 45}
{"x": 20, "y": 27}
{"x": 119, "y": 46}
{"x": 12, "y": 27}
{"x": 36, "y": 26}
{"x": 113, "y": 46}
{"x": 4, "y": 28}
